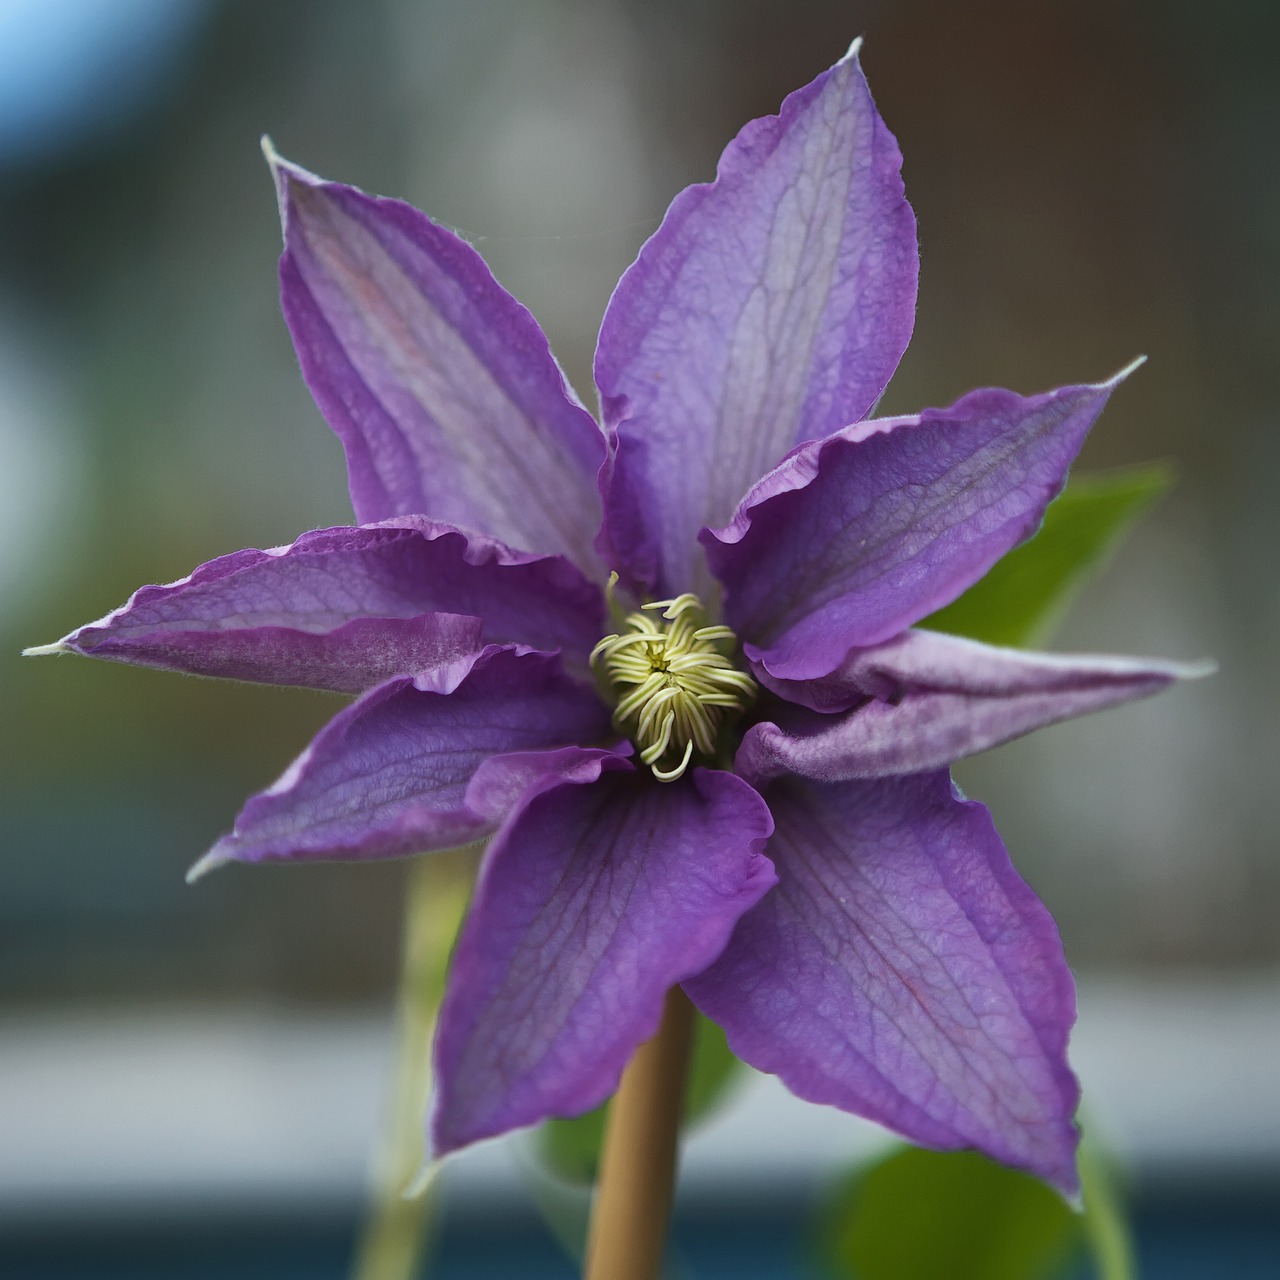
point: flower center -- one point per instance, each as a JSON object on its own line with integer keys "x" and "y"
{"x": 675, "y": 683}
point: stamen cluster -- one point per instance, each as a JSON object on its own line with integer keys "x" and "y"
{"x": 675, "y": 681}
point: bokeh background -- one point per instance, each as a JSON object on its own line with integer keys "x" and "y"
{"x": 1093, "y": 180}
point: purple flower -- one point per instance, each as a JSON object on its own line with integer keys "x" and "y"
{"x": 737, "y": 781}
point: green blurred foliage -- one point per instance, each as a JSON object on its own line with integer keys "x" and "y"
{"x": 922, "y": 1215}
{"x": 919, "y": 1215}
{"x": 571, "y": 1148}
{"x": 1026, "y": 595}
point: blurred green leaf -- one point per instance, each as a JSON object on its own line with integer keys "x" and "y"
{"x": 1024, "y": 596}
{"x": 922, "y": 1215}
{"x": 571, "y": 1148}
{"x": 712, "y": 1071}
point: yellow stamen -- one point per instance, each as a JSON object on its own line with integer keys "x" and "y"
{"x": 675, "y": 682}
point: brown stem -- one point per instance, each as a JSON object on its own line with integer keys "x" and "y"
{"x": 637, "y": 1166}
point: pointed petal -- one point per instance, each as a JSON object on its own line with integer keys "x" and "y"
{"x": 593, "y": 901}
{"x": 340, "y": 608}
{"x": 925, "y": 699}
{"x": 391, "y": 774}
{"x": 903, "y": 971}
{"x": 855, "y": 538}
{"x": 771, "y": 306}
{"x": 440, "y": 384}
{"x": 347, "y": 658}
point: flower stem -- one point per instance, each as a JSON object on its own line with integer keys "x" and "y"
{"x": 637, "y": 1165}
{"x": 1106, "y": 1224}
{"x": 396, "y": 1229}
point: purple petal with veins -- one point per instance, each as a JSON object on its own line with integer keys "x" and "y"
{"x": 597, "y": 896}
{"x": 902, "y": 970}
{"x": 439, "y": 383}
{"x": 924, "y": 699}
{"x": 341, "y": 608}
{"x": 854, "y": 538}
{"x": 771, "y": 306}
{"x": 390, "y": 775}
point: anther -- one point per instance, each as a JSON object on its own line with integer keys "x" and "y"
{"x": 675, "y": 682}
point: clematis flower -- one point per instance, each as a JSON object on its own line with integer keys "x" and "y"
{"x": 669, "y": 662}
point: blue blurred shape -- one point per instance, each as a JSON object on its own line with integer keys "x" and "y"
{"x": 72, "y": 70}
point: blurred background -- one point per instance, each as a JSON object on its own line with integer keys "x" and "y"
{"x": 185, "y": 1072}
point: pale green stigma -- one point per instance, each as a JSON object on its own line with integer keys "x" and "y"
{"x": 675, "y": 682}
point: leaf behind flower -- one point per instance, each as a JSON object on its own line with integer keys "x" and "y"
{"x": 1026, "y": 595}
{"x": 921, "y": 1215}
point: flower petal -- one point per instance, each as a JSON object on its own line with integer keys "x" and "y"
{"x": 391, "y": 774}
{"x": 440, "y": 384}
{"x": 595, "y": 898}
{"x": 855, "y": 538}
{"x": 925, "y": 699}
{"x": 771, "y": 306}
{"x": 340, "y": 608}
{"x": 902, "y": 970}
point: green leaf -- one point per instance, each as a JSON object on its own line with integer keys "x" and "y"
{"x": 571, "y": 1148}
{"x": 1025, "y": 595}
{"x": 921, "y": 1215}
{"x": 713, "y": 1070}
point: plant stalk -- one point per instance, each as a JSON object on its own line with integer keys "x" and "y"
{"x": 628, "y": 1231}
{"x": 396, "y": 1231}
